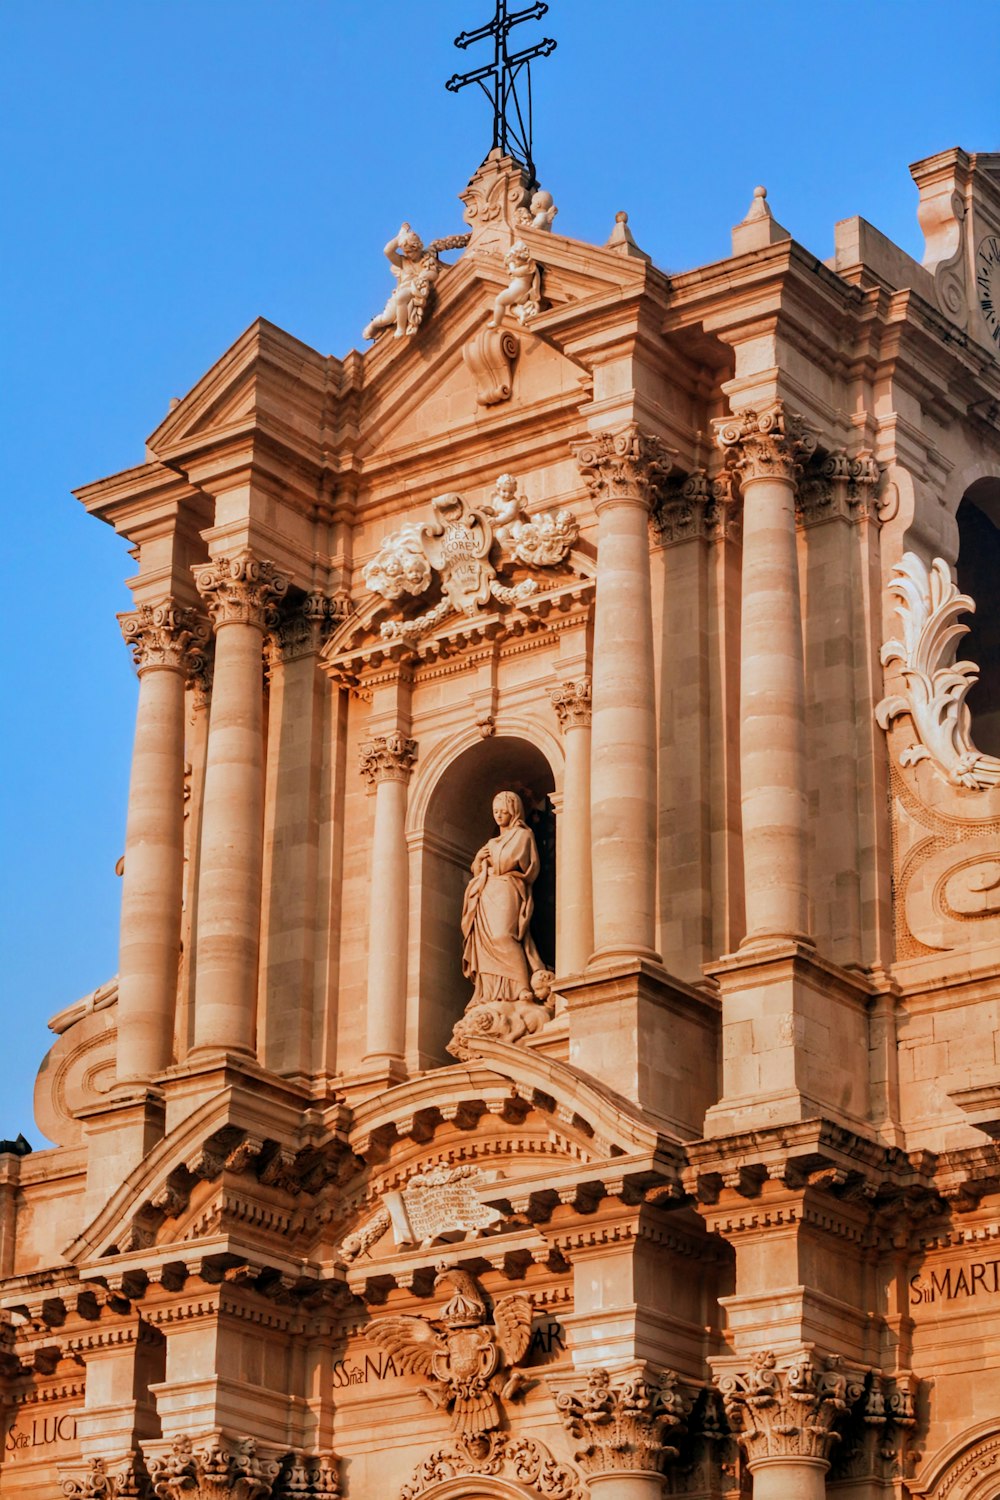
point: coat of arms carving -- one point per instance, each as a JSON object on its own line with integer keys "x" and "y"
{"x": 464, "y": 549}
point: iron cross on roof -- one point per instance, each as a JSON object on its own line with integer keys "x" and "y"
{"x": 511, "y": 123}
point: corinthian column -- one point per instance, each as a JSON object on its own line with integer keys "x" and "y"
{"x": 168, "y": 645}
{"x": 785, "y": 1420}
{"x": 575, "y": 893}
{"x": 622, "y": 471}
{"x": 627, "y": 1426}
{"x": 387, "y": 760}
{"x": 766, "y": 450}
{"x": 239, "y": 593}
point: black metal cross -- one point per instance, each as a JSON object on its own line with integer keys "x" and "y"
{"x": 511, "y": 123}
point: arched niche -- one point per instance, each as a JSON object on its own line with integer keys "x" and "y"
{"x": 977, "y": 574}
{"x": 452, "y": 819}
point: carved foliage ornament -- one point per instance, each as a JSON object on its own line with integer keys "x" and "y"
{"x": 241, "y": 590}
{"x": 791, "y": 1411}
{"x": 463, "y": 549}
{"x": 627, "y": 465}
{"x": 500, "y": 1456}
{"x": 572, "y": 703}
{"x": 216, "y": 1469}
{"x": 166, "y": 635}
{"x": 467, "y": 1357}
{"x": 625, "y": 1423}
{"x": 693, "y": 505}
{"x": 387, "y": 757}
{"x": 935, "y": 685}
{"x": 107, "y": 1479}
{"x": 769, "y": 444}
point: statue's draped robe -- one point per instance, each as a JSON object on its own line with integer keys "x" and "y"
{"x": 499, "y": 954}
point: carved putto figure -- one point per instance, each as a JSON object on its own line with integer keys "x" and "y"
{"x": 416, "y": 268}
{"x": 467, "y": 1357}
{"x": 523, "y": 294}
{"x": 540, "y": 213}
{"x": 460, "y": 548}
{"x": 499, "y": 953}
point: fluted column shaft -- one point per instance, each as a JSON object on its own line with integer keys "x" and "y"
{"x": 622, "y": 470}
{"x": 767, "y": 448}
{"x": 387, "y": 760}
{"x": 574, "y": 877}
{"x": 239, "y": 593}
{"x": 168, "y": 645}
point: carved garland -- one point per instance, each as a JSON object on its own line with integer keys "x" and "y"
{"x": 935, "y": 684}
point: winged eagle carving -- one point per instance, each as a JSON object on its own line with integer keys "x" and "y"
{"x": 467, "y": 1357}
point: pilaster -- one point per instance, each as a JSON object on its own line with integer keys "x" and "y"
{"x": 572, "y": 701}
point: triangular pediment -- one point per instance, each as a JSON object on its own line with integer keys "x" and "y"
{"x": 267, "y": 382}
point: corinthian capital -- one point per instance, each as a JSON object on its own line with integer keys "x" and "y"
{"x": 788, "y": 1412}
{"x": 302, "y": 630}
{"x": 769, "y": 444}
{"x": 387, "y": 757}
{"x": 625, "y": 1423}
{"x": 572, "y": 703}
{"x": 241, "y": 590}
{"x": 627, "y": 466}
{"x": 104, "y": 1479}
{"x": 166, "y": 635}
{"x": 216, "y": 1469}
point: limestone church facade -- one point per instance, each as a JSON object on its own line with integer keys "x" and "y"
{"x": 554, "y": 1049}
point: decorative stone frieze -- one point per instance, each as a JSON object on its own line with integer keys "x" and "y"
{"x": 167, "y": 635}
{"x": 789, "y": 1412}
{"x": 573, "y": 704}
{"x": 106, "y": 1479}
{"x": 524, "y": 1460}
{"x": 935, "y": 684}
{"x": 625, "y": 1422}
{"x": 387, "y": 757}
{"x": 468, "y": 1358}
{"x": 626, "y": 466}
{"x": 772, "y": 443}
{"x": 216, "y": 1468}
{"x": 490, "y": 356}
{"x": 241, "y": 590}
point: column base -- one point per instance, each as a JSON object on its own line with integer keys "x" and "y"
{"x": 612, "y": 954}
{"x": 795, "y": 1040}
{"x": 648, "y": 1036}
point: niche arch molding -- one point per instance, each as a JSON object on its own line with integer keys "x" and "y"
{"x": 967, "y": 1468}
{"x": 431, "y": 769}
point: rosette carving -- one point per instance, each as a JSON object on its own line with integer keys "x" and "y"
{"x": 935, "y": 685}
{"x": 627, "y": 465}
{"x": 788, "y": 1412}
{"x": 624, "y": 1424}
{"x": 572, "y": 703}
{"x": 241, "y": 590}
{"x": 217, "y": 1469}
{"x": 387, "y": 757}
{"x": 770, "y": 444}
{"x": 166, "y": 635}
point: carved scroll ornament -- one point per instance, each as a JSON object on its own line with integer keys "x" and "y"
{"x": 216, "y": 1469}
{"x": 794, "y": 1410}
{"x": 625, "y": 1423}
{"x": 522, "y": 1459}
{"x": 935, "y": 684}
{"x": 462, "y": 550}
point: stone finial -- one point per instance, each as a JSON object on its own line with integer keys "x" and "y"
{"x": 772, "y": 443}
{"x": 760, "y": 228}
{"x": 624, "y": 466}
{"x": 624, "y": 1422}
{"x": 387, "y": 757}
{"x": 166, "y": 635}
{"x": 496, "y": 200}
{"x": 242, "y": 590}
{"x": 621, "y": 240}
{"x": 791, "y": 1411}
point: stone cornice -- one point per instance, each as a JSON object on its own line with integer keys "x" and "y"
{"x": 168, "y": 636}
{"x": 624, "y": 467}
{"x": 241, "y": 590}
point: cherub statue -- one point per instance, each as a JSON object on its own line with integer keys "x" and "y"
{"x": 416, "y": 269}
{"x": 524, "y": 291}
{"x": 540, "y": 213}
{"x": 468, "y": 1357}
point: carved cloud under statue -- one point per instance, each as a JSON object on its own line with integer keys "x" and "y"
{"x": 463, "y": 550}
{"x": 935, "y": 684}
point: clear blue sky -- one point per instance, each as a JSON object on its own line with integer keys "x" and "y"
{"x": 171, "y": 169}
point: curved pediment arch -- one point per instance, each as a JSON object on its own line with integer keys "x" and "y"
{"x": 967, "y": 1468}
